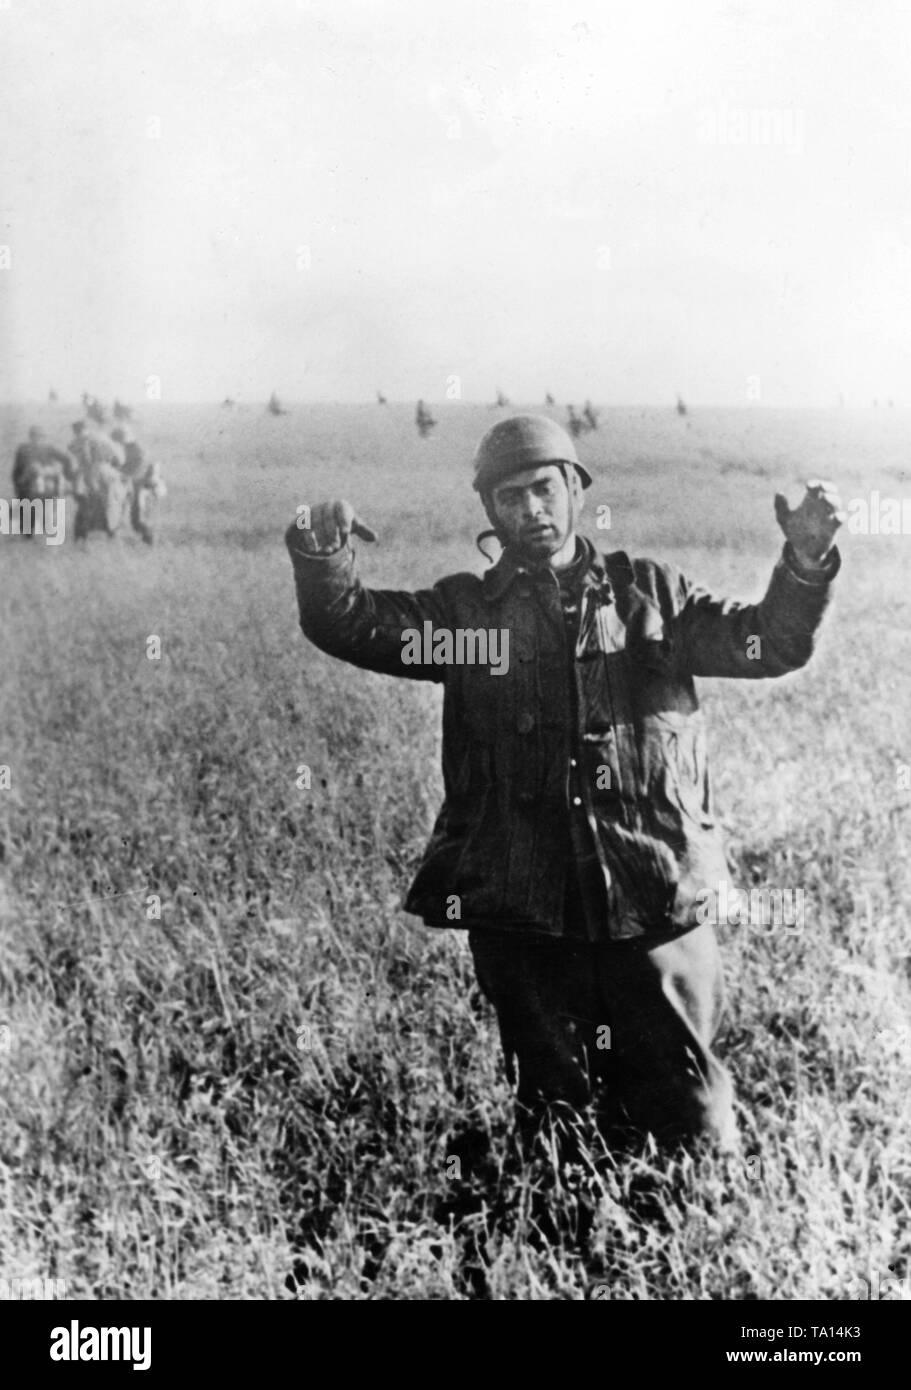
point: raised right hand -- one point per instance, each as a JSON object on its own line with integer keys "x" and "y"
{"x": 331, "y": 523}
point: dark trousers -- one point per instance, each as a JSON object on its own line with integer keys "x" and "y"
{"x": 622, "y": 1025}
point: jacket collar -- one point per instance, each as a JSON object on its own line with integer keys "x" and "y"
{"x": 510, "y": 566}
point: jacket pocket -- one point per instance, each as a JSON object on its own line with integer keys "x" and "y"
{"x": 674, "y": 771}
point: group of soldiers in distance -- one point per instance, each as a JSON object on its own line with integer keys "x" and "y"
{"x": 576, "y": 423}
{"x": 107, "y": 473}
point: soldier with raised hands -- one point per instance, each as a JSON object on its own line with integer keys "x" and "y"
{"x": 577, "y": 839}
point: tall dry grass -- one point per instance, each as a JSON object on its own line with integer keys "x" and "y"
{"x": 274, "y": 1076}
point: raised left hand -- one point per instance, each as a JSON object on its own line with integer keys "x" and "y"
{"x": 811, "y": 526}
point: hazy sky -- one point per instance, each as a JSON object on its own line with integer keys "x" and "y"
{"x": 615, "y": 200}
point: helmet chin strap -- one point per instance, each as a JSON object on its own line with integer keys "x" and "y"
{"x": 571, "y": 478}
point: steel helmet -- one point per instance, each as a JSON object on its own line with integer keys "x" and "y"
{"x": 523, "y": 441}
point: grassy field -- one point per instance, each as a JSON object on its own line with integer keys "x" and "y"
{"x": 275, "y": 1073}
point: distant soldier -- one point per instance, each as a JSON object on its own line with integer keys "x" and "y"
{"x": 423, "y": 419}
{"x": 380, "y": 398}
{"x": 38, "y": 466}
{"x": 91, "y": 447}
{"x": 590, "y": 416}
{"x": 574, "y": 423}
{"x": 143, "y": 480}
{"x": 681, "y": 406}
{"x": 100, "y": 488}
{"x": 83, "y": 458}
{"x": 549, "y": 400}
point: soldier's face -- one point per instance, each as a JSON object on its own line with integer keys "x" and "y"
{"x": 533, "y": 512}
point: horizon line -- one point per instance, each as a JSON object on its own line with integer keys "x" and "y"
{"x": 517, "y": 405}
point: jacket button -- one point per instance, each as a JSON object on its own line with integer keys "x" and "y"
{"x": 526, "y": 723}
{"x": 577, "y": 801}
